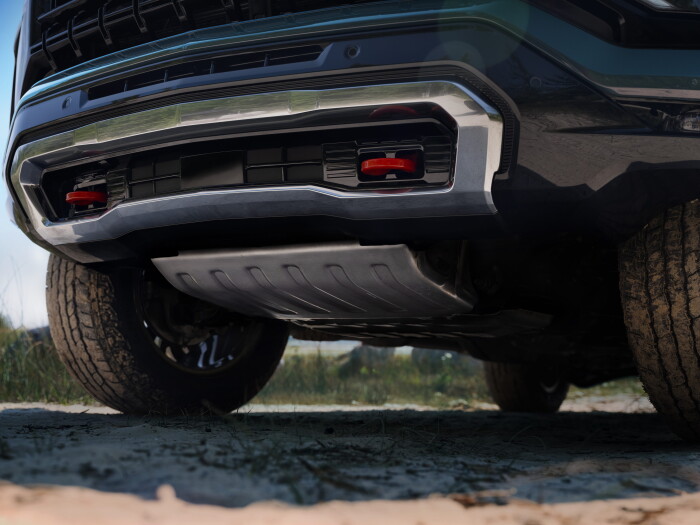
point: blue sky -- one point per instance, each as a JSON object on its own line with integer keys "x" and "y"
{"x": 22, "y": 264}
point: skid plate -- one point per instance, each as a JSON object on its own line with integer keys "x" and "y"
{"x": 330, "y": 281}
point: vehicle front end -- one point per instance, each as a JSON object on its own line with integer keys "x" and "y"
{"x": 452, "y": 174}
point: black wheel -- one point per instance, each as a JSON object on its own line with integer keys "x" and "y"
{"x": 660, "y": 290}
{"x": 139, "y": 346}
{"x": 525, "y": 388}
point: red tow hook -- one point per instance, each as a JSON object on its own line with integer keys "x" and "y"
{"x": 382, "y": 166}
{"x": 85, "y": 198}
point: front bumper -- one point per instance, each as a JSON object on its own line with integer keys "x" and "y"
{"x": 582, "y": 119}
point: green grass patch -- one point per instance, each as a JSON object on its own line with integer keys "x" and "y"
{"x": 323, "y": 379}
{"x": 626, "y": 386}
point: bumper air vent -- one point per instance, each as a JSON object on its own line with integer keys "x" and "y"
{"x": 332, "y": 158}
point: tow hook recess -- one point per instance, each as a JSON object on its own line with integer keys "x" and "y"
{"x": 86, "y": 198}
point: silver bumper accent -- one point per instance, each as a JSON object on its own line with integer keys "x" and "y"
{"x": 331, "y": 281}
{"x": 478, "y": 146}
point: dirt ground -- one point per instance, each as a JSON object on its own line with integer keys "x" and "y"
{"x": 347, "y": 465}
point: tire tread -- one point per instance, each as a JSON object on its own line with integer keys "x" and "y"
{"x": 660, "y": 287}
{"x": 95, "y": 339}
{"x": 516, "y": 388}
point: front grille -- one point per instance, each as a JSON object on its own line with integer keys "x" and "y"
{"x": 331, "y": 158}
{"x": 65, "y": 33}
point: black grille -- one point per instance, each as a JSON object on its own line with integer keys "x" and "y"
{"x": 331, "y": 158}
{"x": 207, "y": 67}
{"x": 68, "y": 32}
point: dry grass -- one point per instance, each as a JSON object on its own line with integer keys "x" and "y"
{"x": 31, "y": 371}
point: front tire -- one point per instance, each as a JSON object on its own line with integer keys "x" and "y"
{"x": 103, "y": 334}
{"x": 518, "y": 387}
{"x": 660, "y": 290}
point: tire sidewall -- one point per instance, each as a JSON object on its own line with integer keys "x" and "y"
{"x": 171, "y": 385}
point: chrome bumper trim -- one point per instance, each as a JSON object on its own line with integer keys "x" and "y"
{"x": 479, "y": 143}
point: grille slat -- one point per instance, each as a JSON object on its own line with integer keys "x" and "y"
{"x": 69, "y": 32}
{"x": 206, "y": 67}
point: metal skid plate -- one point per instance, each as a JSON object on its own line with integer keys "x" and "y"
{"x": 330, "y": 281}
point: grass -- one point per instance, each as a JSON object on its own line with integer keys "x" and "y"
{"x": 31, "y": 372}
{"x": 316, "y": 379}
{"x": 627, "y": 385}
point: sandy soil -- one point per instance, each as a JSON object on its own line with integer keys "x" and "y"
{"x": 347, "y": 465}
